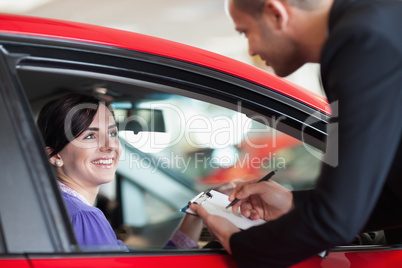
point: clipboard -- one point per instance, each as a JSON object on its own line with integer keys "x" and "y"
{"x": 215, "y": 203}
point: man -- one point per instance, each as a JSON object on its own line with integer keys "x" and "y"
{"x": 358, "y": 44}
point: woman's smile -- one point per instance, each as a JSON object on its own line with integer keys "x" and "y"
{"x": 105, "y": 162}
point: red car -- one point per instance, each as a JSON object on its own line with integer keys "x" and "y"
{"x": 186, "y": 116}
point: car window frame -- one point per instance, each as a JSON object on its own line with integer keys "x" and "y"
{"x": 46, "y": 53}
{"x": 65, "y": 51}
{"x": 56, "y": 236}
{"x": 50, "y": 57}
{"x": 103, "y": 60}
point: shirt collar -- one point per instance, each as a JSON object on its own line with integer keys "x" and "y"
{"x": 64, "y": 188}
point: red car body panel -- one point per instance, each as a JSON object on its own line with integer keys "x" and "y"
{"x": 194, "y": 261}
{"x": 15, "y": 263}
{"x": 55, "y": 29}
{"x": 355, "y": 259}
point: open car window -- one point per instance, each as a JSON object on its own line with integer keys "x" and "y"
{"x": 175, "y": 144}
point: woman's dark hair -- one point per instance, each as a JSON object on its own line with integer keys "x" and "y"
{"x": 65, "y": 118}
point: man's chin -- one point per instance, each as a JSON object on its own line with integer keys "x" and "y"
{"x": 283, "y": 72}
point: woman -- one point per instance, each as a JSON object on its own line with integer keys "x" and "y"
{"x": 81, "y": 140}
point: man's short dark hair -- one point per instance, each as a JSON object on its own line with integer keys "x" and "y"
{"x": 254, "y": 7}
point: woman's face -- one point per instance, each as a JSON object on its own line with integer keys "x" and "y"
{"x": 92, "y": 158}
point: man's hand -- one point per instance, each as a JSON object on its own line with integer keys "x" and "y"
{"x": 219, "y": 227}
{"x": 262, "y": 200}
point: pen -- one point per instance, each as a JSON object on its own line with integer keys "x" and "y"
{"x": 266, "y": 178}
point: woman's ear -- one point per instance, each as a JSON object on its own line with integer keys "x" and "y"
{"x": 277, "y": 12}
{"x": 55, "y": 160}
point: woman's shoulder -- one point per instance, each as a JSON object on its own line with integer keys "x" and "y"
{"x": 75, "y": 206}
{"x": 90, "y": 224}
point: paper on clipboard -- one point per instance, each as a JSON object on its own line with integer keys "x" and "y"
{"x": 215, "y": 203}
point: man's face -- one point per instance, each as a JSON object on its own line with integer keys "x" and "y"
{"x": 266, "y": 39}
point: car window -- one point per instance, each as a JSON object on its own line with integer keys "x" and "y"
{"x": 175, "y": 146}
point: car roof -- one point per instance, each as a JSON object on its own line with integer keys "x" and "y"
{"x": 80, "y": 32}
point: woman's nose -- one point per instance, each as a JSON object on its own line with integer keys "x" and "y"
{"x": 106, "y": 144}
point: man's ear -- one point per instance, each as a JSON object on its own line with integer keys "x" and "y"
{"x": 277, "y": 12}
{"x": 55, "y": 160}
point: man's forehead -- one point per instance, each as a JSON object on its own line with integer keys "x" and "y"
{"x": 238, "y": 16}
{"x": 229, "y": 9}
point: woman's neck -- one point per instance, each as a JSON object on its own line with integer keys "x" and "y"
{"x": 89, "y": 193}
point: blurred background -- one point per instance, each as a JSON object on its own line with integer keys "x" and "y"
{"x": 199, "y": 23}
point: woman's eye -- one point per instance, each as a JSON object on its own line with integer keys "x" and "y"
{"x": 113, "y": 134}
{"x": 90, "y": 136}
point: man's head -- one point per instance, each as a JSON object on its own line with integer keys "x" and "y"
{"x": 255, "y": 7}
{"x": 285, "y": 33}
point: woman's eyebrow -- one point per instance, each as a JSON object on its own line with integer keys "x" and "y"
{"x": 97, "y": 129}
